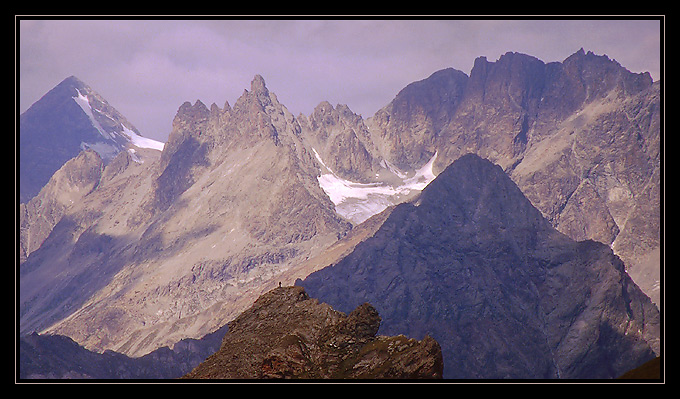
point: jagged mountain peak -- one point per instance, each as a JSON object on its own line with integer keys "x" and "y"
{"x": 251, "y": 117}
{"x": 258, "y": 84}
{"x": 258, "y": 95}
{"x": 325, "y": 114}
{"x": 198, "y": 109}
{"x": 324, "y": 107}
{"x": 73, "y": 82}
{"x": 601, "y": 74}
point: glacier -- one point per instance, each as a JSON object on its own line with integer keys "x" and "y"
{"x": 142, "y": 142}
{"x": 357, "y": 202}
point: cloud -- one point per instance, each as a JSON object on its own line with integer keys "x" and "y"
{"x": 147, "y": 69}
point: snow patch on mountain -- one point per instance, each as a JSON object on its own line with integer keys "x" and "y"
{"x": 359, "y": 201}
{"x": 142, "y": 142}
{"x": 84, "y": 104}
{"x": 422, "y": 177}
{"x": 108, "y": 150}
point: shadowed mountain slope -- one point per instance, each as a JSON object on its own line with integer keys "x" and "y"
{"x": 473, "y": 264}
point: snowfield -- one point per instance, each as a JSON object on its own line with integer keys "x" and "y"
{"x": 132, "y": 137}
{"x": 84, "y": 104}
{"x": 359, "y": 201}
{"x": 142, "y": 142}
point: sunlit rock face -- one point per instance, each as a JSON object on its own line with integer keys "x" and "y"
{"x": 174, "y": 248}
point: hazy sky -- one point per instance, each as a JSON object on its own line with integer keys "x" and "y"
{"x": 147, "y": 68}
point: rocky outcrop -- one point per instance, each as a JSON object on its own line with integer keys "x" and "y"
{"x": 287, "y": 334}
{"x": 342, "y": 140}
{"x": 74, "y": 180}
{"x": 474, "y": 265}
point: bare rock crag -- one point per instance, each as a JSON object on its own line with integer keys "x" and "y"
{"x": 287, "y": 334}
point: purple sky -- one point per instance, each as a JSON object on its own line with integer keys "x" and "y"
{"x": 147, "y": 69}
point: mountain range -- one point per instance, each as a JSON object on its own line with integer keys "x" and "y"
{"x": 136, "y": 249}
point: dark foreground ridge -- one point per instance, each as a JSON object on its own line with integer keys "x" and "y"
{"x": 287, "y": 334}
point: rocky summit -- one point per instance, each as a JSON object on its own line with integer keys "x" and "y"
{"x": 287, "y": 334}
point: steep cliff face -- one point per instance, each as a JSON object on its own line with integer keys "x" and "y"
{"x": 342, "y": 140}
{"x": 473, "y": 264}
{"x": 581, "y": 138}
{"x": 287, "y": 334}
{"x": 598, "y": 177}
{"x": 407, "y": 130}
